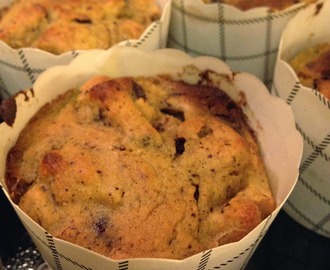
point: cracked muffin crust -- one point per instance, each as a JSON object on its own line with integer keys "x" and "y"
{"x": 61, "y": 26}
{"x": 141, "y": 167}
{"x": 312, "y": 67}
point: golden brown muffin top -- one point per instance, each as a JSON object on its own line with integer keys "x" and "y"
{"x": 312, "y": 67}
{"x": 61, "y": 26}
{"x": 245, "y": 5}
{"x": 141, "y": 167}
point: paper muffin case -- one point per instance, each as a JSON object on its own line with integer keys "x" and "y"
{"x": 270, "y": 117}
{"x": 309, "y": 204}
{"x": 246, "y": 40}
{"x": 19, "y": 68}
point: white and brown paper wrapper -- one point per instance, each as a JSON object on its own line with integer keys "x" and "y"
{"x": 19, "y": 68}
{"x": 309, "y": 204}
{"x": 269, "y": 116}
{"x": 246, "y": 40}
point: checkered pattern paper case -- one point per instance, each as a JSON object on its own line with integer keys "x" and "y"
{"x": 246, "y": 40}
{"x": 269, "y": 116}
{"x": 19, "y": 68}
{"x": 309, "y": 203}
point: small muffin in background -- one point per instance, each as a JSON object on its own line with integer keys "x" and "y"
{"x": 312, "y": 67}
{"x": 61, "y": 26}
{"x": 245, "y": 5}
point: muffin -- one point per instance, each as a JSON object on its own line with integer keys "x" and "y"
{"x": 98, "y": 162}
{"x": 273, "y": 4}
{"x": 279, "y": 145}
{"x": 301, "y": 78}
{"x": 61, "y": 26}
{"x": 96, "y": 24}
{"x": 312, "y": 66}
{"x": 258, "y": 23}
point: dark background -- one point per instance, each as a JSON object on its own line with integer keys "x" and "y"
{"x": 286, "y": 246}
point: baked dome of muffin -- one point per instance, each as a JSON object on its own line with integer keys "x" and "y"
{"x": 61, "y": 26}
{"x": 141, "y": 167}
{"x": 312, "y": 66}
